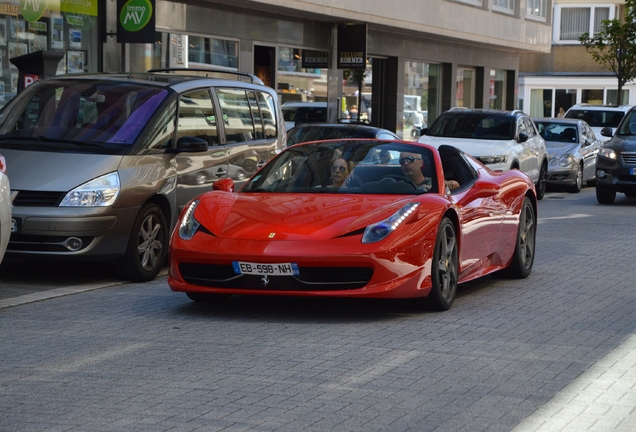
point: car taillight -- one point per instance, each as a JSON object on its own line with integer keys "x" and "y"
{"x": 3, "y": 164}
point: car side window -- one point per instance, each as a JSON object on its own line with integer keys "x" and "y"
{"x": 197, "y": 117}
{"x": 530, "y": 129}
{"x": 521, "y": 127}
{"x": 268, "y": 113}
{"x": 237, "y": 115}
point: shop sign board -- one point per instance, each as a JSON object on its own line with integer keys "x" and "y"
{"x": 136, "y": 21}
{"x": 352, "y": 46}
{"x": 312, "y": 59}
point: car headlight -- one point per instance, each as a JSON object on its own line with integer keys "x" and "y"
{"x": 491, "y": 160}
{"x": 380, "y": 230}
{"x": 566, "y": 160}
{"x": 607, "y": 152}
{"x": 99, "y": 192}
{"x": 189, "y": 225}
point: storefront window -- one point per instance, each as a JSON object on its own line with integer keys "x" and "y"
{"x": 298, "y": 84}
{"x": 465, "y": 95}
{"x": 422, "y": 86}
{"x": 612, "y": 97}
{"x": 497, "y": 89}
{"x": 67, "y": 26}
{"x": 594, "y": 97}
{"x": 352, "y": 95}
{"x": 174, "y": 50}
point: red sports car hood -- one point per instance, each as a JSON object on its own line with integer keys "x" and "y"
{"x": 261, "y": 216}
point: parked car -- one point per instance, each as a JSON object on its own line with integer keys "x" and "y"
{"x": 325, "y": 131}
{"x": 126, "y": 151}
{"x": 616, "y": 162}
{"x": 572, "y": 150}
{"x": 304, "y": 112}
{"x": 599, "y": 116}
{"x": 501, "y": 140}
{"x": 287, "y": 232}
{"x": 5, "y": 208}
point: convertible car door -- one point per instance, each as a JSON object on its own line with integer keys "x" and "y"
{"x": 480, "y": 214}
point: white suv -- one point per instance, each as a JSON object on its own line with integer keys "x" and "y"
{"x": 501, "y": 140}
{"x": 599, "y": 116}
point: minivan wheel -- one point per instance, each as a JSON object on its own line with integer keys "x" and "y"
{"x": 605, "y": 195}
{"x": 147, "y": 246}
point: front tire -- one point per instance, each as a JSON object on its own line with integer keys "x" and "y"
{"x": 523, "y": 256}
{"x": 578, "y": 182}
{"x": 542, "y": 183}
{"x": 605, "y": 195}
{"x": 444, "y": 268}
{"x": 147, "y": 246}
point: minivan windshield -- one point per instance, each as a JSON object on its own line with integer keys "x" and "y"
{"x": 473, "y": 125}
{"x": 80, "y": 112}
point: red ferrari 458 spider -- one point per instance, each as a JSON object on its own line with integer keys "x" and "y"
{"x": 357, "y": 218}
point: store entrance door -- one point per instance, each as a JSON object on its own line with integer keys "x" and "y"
{"x": 265, "y": 64}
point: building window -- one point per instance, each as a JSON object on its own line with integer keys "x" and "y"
{"x": 572, "y": 21}
{"x": 465, "y": 90}
{"x": 504, "y": 5}
{"x": 204, "y": 51}
{"x": 298, "y": 84}
{"x": 473, "y": 2}
{"x": 422, "y": 96}
{"x": 537, "y": 9}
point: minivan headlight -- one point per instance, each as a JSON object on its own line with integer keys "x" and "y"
{"x": 99, "y": 192}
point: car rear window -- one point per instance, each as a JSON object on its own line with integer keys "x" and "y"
{"x": 597, "y": 118}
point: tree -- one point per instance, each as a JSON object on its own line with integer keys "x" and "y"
{"x": 357, "y": 75}
{"x": 614, "y": 46}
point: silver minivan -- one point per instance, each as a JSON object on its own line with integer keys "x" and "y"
{"x": 101, "y": 164}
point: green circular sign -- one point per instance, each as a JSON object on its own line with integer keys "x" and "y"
{"x": 32, "y": 10}
{"x": 135, "y": 15}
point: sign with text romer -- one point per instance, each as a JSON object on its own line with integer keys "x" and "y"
{"x": 352, "y": 46}
{"x": 136, "y": 21}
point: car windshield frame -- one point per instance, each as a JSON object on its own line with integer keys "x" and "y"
{"x": 89, "y": 112}
{"x": 474, "y": 125}
{"x": 307, "y": 168}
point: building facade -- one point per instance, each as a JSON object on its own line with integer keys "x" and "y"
{"x": 427, "y": 56}
{"x": 568, "y": 74}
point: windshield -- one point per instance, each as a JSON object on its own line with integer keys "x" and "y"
{"x": 349, "y": 166}
{"x": 558, "y": 132}
{"x": 314, "y": 133}
{"x": 93, "y": 112}
{"x": 305, "y": 114}
{"x": 486, "y": 126}
{"x": 597, "y": 118}
{"x": 628, "y": 127}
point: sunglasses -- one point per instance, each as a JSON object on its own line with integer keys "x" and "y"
{"x": 408, "y": 159}
{"x": 338, "y": 168}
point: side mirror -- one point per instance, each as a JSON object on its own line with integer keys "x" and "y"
{"x": 424, "y": 131}
{"x": 522, "y": 137}
{"x": 190, "y": 144}
{"x": 224, "y": 184}
{"x": 607, "y": 132}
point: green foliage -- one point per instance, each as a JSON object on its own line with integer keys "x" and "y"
{"x": 614, "y": 46}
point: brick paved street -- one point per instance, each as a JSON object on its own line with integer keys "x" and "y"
{"x": 554, "y": 352}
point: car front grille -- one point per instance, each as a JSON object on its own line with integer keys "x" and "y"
{"x": 310, "y": 278}
{"x": 629, "y": 158}
{"x": 38, "y": 199}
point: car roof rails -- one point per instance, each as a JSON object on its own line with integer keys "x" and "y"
{"x": 203, "y": 72}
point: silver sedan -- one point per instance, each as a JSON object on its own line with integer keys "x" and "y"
{"x": 572, "y": 149}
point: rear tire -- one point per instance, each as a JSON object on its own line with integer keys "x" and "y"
{"x": 444, "y": 269}
{"x": 523, "y": 256}
{"x": 147, "y": 246}
{"x": 605, "y": 195}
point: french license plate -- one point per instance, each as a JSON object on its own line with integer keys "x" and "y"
{"x": 15, "y": 225}
{"x": 632, "y": 171}
{"x": 282, "y": 269}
